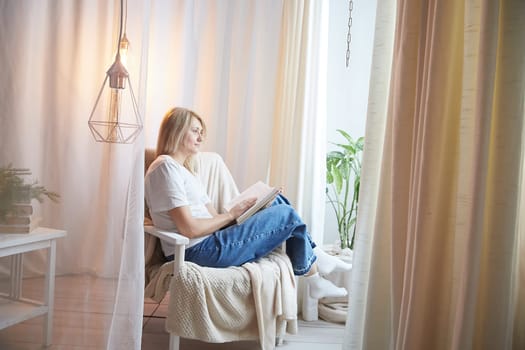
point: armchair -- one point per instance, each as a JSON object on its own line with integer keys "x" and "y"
{"x": 220, "y": 304}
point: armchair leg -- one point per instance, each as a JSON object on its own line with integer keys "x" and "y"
{"x": 174, "y": 342}
{"x": 309, "y": 307}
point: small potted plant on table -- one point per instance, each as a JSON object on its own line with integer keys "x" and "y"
{"x": 15, "y": 199}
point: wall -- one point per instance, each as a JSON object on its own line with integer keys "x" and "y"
{"x": 347, "y": 95}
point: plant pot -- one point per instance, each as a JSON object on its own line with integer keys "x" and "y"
{"x": 344, "y": 254}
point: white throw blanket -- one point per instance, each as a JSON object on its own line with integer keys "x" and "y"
{"x": 217, "y": 305}
{"x": 276, "y": 307}
{"x": 216, "y": 177}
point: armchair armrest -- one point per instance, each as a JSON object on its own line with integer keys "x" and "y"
{"x": 171, "y": 237}
{"x": 177, "y": 239}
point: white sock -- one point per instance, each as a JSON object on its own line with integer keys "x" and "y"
{"x": 327, "y": 263}
{"x": 320, "y": 287}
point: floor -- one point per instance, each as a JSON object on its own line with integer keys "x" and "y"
{"x": 83, "y": 314}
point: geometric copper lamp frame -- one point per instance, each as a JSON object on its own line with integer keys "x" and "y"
{"x": 117, "y": 126}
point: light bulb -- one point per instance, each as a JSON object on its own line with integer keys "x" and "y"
{"x": 117, "y": 82}
{"x": 115, "y": 107}
{"x": 124, "y": 47}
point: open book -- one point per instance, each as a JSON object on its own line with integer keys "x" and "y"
{"x": 265, "y": 195}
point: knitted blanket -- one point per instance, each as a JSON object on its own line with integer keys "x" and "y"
{"x": 217, "y": 305}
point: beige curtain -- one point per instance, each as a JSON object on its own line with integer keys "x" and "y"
{"x": 299, "y": 129}
{"x": 438, "y": 262}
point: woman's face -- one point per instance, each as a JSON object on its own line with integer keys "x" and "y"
{"x": 193, "y": 138}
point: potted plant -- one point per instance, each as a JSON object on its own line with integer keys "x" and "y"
{"x": 343, "y": 177}
{"x": 15, "y": 199}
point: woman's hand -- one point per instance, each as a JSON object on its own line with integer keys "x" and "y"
{"x": 240, "y": 208}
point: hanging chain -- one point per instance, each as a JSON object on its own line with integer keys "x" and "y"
{"x": 349, "y": 35}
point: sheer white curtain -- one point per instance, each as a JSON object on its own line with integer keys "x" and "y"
{"x": 299, "y": 130}
{"x": 53, "y": 59}
{"x": 439, "y": 256}
{"x": 369, "y": 201}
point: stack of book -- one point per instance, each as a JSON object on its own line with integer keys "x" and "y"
{"x": 19, "y": 220}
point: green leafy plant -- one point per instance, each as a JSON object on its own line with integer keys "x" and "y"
{"x": 343, "y": 177}
{"x": 14, "y": 189}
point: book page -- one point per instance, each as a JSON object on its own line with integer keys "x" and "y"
{"x": 260, "y": 204}
{"x": 265, "y": 195}
{"x": 258, "y": 190}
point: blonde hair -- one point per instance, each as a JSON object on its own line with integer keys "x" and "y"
{"x": 174, "y": 126}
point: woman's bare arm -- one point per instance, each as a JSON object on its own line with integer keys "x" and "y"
{"x": 212, "y": 209}
{"x": 197, "y": 227}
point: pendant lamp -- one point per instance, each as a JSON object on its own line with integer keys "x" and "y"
{"x": 115, "y": 117}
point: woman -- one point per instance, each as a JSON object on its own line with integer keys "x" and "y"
{"x": 178, "y": 202}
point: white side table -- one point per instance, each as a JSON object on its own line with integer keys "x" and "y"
{"x": 13, "y": 307}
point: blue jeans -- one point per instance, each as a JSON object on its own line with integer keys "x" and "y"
{"x": 257, "y": 237}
